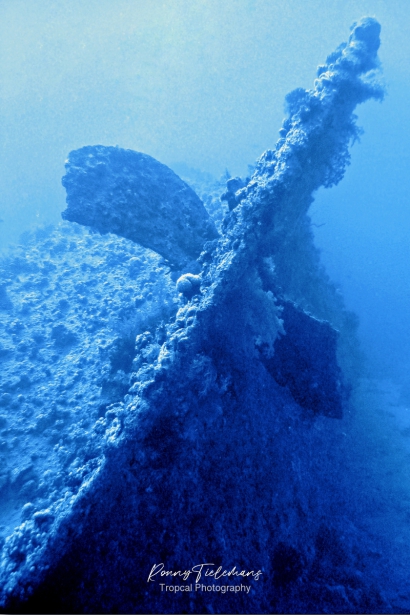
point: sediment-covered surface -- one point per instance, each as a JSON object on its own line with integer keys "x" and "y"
{"x": 194, "y": 452}
{"x": 75, "y": 303}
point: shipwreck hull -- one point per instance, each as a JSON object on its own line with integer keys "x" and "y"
{"x": 225, "y": 471}
{"x": 208, "y": 459}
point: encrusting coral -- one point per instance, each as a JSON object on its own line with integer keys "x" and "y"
{"x": 209, "y": 458}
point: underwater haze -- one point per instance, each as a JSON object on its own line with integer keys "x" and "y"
{"x": 204, "y": 305}
{"x": 203, "y": 83}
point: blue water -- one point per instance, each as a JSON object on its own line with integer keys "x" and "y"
{"x": 197, "y": 85}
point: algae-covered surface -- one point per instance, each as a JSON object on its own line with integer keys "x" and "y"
{"x": 195, "y": 437}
